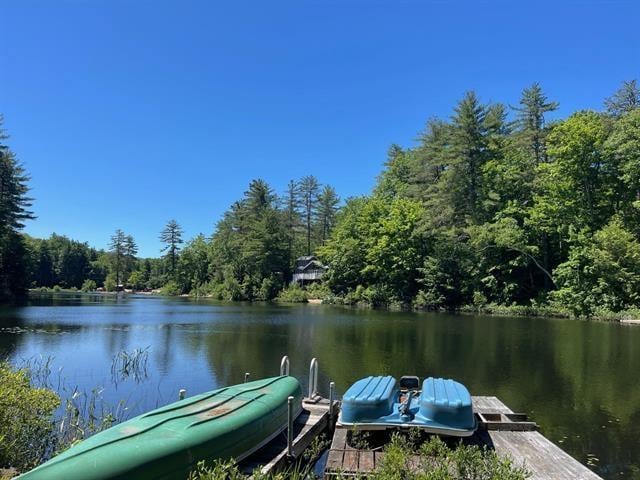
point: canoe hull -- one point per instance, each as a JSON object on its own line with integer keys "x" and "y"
{"x": 168, "y": 442}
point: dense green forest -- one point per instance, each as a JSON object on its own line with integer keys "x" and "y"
{"x": 501, "y": 206}
{"x": 495, "y": 205}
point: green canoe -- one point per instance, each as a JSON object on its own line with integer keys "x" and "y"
{"x": 167, "y": 443}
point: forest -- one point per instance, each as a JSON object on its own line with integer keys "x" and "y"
{"x": 494, "y": 206}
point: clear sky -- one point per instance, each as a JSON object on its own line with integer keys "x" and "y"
{"x": 130, "y": 113}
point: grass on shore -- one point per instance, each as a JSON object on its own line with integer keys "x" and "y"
{"x": 406, "y": 457}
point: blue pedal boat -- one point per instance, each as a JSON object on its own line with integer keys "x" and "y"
{"x": 440, "y": 406}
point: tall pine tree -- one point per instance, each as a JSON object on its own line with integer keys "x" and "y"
{"x": 309, "y": 190}
{"x": 171, "y": 236}
{"x": 14, "y": 211}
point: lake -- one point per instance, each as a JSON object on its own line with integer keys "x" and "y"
{"x": 578, "y": 380}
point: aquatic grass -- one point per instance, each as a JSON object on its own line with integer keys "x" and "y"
{"x": 85, "y": 414}
{"x": 130, "y": 364}
{"x": 38, "y": 369}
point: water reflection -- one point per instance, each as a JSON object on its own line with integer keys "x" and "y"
{"x": 576, "y": 379}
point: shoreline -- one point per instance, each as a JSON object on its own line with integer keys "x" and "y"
{"x": 625, "y": 317}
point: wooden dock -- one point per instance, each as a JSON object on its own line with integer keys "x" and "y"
{"x": 271, "y": 458}
{"x": 508, "y": 433}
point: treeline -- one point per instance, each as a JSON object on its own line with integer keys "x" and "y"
{"x": 69, "y": 264}
{"x": 499, "y": 205}
{"x": 250, "y": 255}
{"x": 253, "y": 249}
{"x": 495, "y": 205}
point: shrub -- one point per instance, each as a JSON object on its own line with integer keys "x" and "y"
{"x": 319, "y": 290}
{"x": 292, "y": 294}
{"x": 428, "y": 300}
{"x": 479, "y": 299}
{"x": 26, "y": 424}
{"x": 171, "y": 289}
{"x": 438, "y": 461}
{"x": 601, "y": 273}
{"x": 110, "y": 283}
{"x": 203, "y": 290}
{"x": 136, "y": 280}
{"x": 268, "y": 288}
{"x": 89, "y": 286}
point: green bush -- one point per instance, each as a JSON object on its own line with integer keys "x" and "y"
{"x": 110, "y": 283}
{"x": 319, "y": 290}
{"x": 171, "y": 289}
{"x": 378, "y": 296}
{"x": 203, "y": 290}
{"x": 353, "y": 297}
{"x": 229, "y": 289}
{"x": 268, "y": 288}
{"x": 136, "y": 280}
{"x": 428, "y": 300}
{"x": 26, "y": 425}
{"x": 292, "y": 294}
{"x": 89, "y": 286}
{"x": 438, "y": 461}
{"x": 601, "y": 273}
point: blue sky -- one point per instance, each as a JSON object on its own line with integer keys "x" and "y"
{"x": 130, "y": 113}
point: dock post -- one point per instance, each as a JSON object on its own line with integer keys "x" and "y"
{"x": 332, "y": 394}
{"x": 181, "y": 394}
{"x": 246, "y": 377}
{"x": 290, "y": 427}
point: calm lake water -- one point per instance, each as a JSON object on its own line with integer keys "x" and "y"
{"x": 578, "y": 380}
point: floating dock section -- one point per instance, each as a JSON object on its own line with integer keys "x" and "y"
{"x": 509, "y": 434}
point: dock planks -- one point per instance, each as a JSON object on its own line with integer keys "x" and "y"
{"x": 524, "y": 445}
{"x": 313, "y": 420}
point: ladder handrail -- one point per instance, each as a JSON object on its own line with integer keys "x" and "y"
{"x": 313, "y": 377}
{"x": 284, "y": 366}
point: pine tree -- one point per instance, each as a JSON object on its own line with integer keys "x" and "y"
{"x": 627, "y": 98}
{"x": 530, "y": 120}
{"x": 130, "y": 252}
{"x": 328, "y": 201}
{"x": 14, "y": 211}
{"x": 171, "y": 236}
{"x": 468, "y": 154}
{"x": 432, "y": 158}
{"x": 117, "y": 248}
{"x": 309, "y": 190}
{"x": 292, "y": 213}
{"x": 14, "y": 202}
{"x": 397, "y": 175}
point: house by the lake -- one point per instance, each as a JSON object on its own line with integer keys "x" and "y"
{"x": 308, "y": 269}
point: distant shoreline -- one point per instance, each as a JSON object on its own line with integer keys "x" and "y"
{"x": 628, "y": 317}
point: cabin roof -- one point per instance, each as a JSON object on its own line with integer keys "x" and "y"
{"x": 307, "y": 261}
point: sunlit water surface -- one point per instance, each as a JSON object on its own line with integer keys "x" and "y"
{"x": 578, "y": 380}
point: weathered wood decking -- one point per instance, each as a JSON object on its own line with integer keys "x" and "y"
{"x": 313, "y": 420}
{"x": 519, "y": 440}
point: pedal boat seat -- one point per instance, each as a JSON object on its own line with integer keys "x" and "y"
{"x": 447, "y": 402}
{"x": 369, "y": 399}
